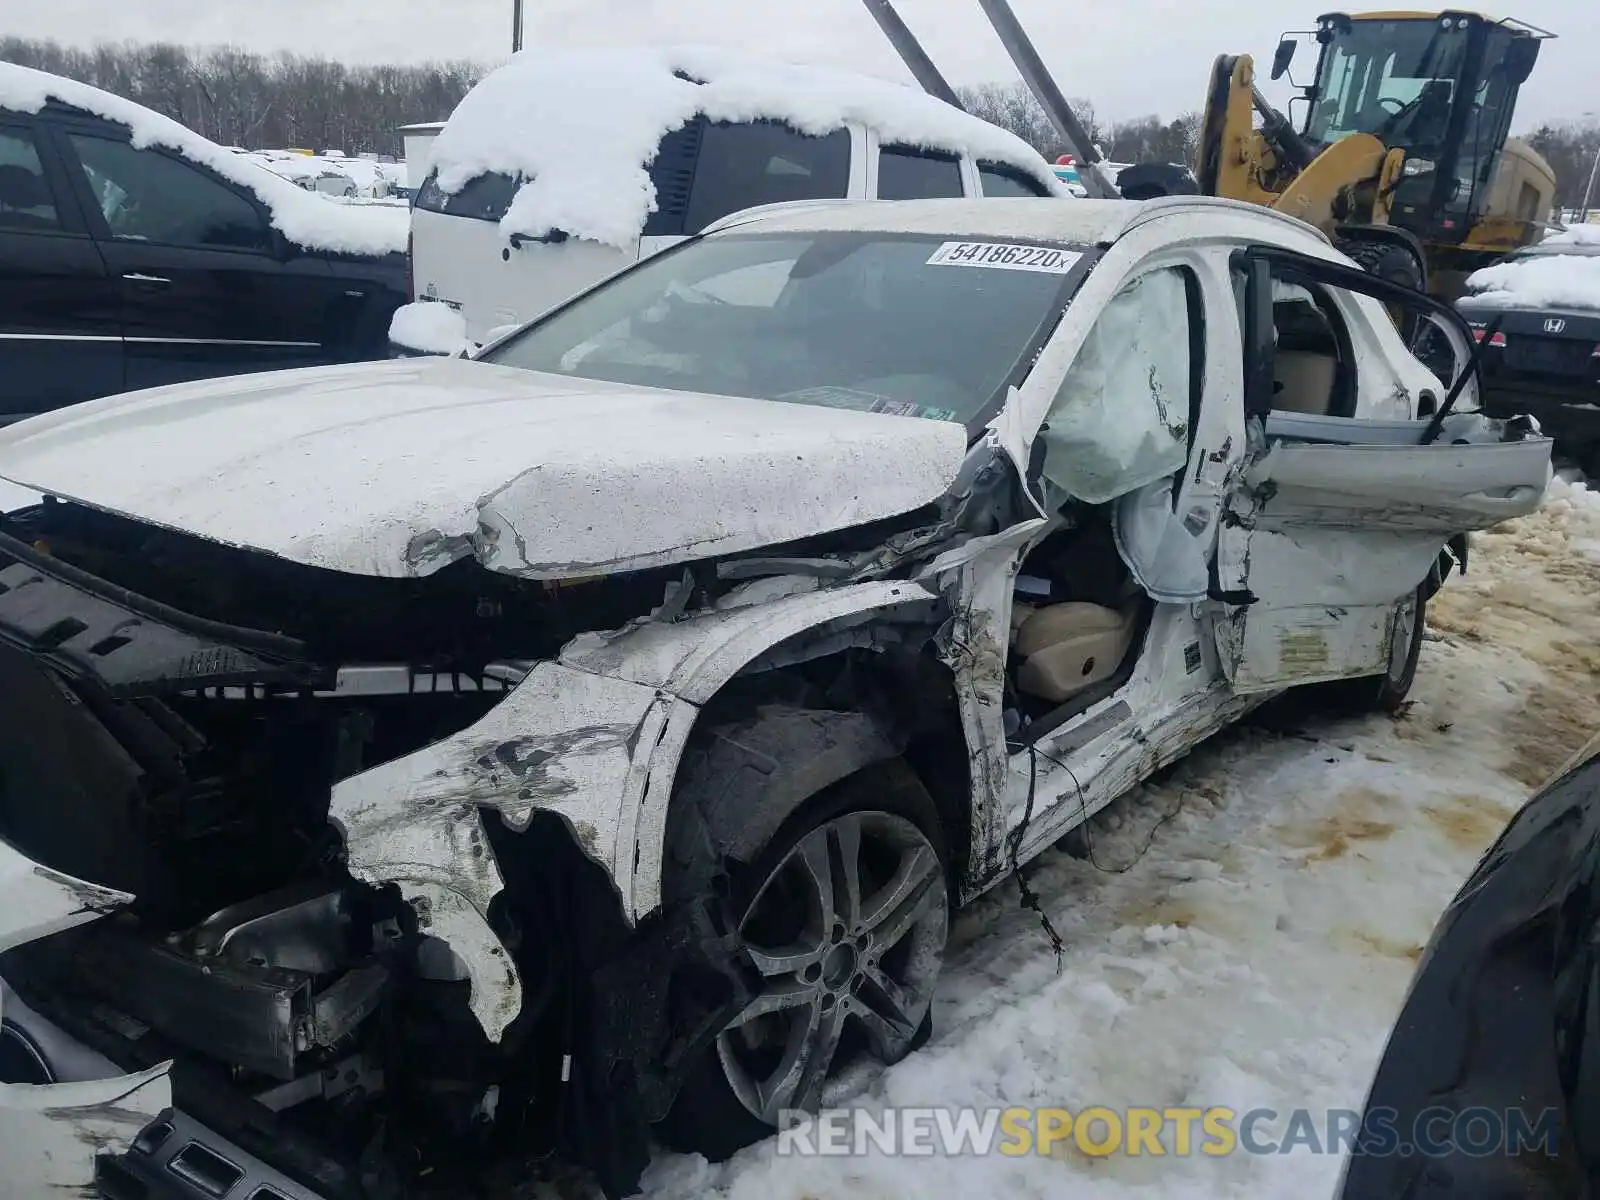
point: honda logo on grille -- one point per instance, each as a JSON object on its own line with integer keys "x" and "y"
{"x": 1554, "y": 325}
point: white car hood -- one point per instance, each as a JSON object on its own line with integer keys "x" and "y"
{"x": 397, "y": 468}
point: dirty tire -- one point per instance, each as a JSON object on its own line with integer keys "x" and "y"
{"x": 884, "y": 802}
{"x": 1386, "y": 260}
{"x": 1392, "y": 262}
{"x": 1387, "y": 692}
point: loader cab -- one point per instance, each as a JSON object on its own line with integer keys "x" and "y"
{"x": 1440, "y": 86}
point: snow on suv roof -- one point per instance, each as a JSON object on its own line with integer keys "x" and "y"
{"x": 312, "y": 221}
{"x": 581, "y": 126}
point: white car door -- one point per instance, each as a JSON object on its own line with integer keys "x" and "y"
{"x": 1349, "y": 489}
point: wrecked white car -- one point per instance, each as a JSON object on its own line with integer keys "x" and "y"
{"x": 409, "y": 766}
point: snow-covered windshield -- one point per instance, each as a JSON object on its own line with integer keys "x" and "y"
{"x": 911, "y": 325}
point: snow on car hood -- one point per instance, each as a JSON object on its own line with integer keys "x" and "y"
{"x": 581, "y": 126}
{"x": 305, "y": 218}
{"x": 397, "y": 468}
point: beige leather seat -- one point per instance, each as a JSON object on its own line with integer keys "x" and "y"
{"x": 1066, "y": 648}
{"x": 1305, "y": 382}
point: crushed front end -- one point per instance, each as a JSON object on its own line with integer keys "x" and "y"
{"x": 235, "y": 1005}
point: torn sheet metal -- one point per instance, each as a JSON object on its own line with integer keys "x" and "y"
{"x": 977, "y": 577}
{"x": 563, "y": 740}
{"x": 693, "y": 658}
{"x": 594, "y": 738}
{"x": 50, "y": 1135}
{"x": 36, "y": 901}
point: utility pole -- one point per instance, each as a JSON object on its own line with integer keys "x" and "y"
{"x": 516, "y": 25}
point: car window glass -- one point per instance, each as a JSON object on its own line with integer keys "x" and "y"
{"x": 25, "y": 198}
{"x": 763, "y": 162}
{"x": 872, "y": 322}
{"x": 1007, "y": 181}
{"x": 148, "y": 196}
{"x": 1120, "y": 419}
{"x": 483, "y": 198}
{"x": 906, "y": 173}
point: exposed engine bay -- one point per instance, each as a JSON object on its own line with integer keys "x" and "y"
{"x": 189, "y": 762}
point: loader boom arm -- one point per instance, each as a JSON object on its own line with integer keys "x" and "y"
{"x": 1096, "y": 179}
{"x": 911, "y": 52}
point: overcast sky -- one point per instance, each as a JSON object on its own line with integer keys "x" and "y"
{"x": 1130, "y": 57}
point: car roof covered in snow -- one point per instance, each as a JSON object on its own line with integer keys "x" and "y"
{"x": 306, "y": 219}
{"x": 581, "y": 127}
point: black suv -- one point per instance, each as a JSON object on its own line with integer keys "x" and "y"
{"x": 187, "y": 279}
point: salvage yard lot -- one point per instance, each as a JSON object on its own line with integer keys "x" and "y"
{"x": 1256, "y": 953}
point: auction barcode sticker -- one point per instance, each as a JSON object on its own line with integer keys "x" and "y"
{"x": 1004, "y": 256}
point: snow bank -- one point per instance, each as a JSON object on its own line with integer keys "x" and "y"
{"x": 581, "y": 127}
{"x": 1547, "y": 281}
{"x": 304, "y": 218}
{"x": 1575, "y": 235}
{"x": 429, "y": 327}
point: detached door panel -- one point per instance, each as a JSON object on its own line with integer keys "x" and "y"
{"x": 1381, "y": 477}
{"x": 1329, "y": 538}
{"x": 1334, "y": 520}
{"x": 60, "y": 338}
{"x": 202, "y": 292}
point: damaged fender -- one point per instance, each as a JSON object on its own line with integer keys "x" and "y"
{"x": 595, "y": 738}
{"x": 50, "y": 1134}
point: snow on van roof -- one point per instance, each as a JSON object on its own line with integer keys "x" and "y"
{"x": 581, "y": 126}
{"x": 307, "y": 219}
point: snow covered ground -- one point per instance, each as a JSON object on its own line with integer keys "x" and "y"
{"x": 1256, "y": 953}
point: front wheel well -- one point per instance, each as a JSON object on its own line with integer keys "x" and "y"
{"x": 767, "y": 743}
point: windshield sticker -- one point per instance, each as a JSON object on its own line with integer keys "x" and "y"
{"x": 1004, "y": 256}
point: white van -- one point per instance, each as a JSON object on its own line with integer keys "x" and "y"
{"x": 562, "y": 168}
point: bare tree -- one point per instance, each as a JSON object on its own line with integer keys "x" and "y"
{"x": 238, "y": 98}
{"x": 1012, "y": 106}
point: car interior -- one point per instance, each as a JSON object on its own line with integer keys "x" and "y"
{"x": 1077, "y": 621}
{"x": 25, "y": 201}
{"x": 1313, "y": 372}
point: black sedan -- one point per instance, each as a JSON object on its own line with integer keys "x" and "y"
{"x": 1490, "y": 1084}
{"x": 135, "y": 253}
{"x": 1543, "y": 357}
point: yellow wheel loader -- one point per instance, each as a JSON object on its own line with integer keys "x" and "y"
{"x": 1402, "y": 158}
{"x": 1403, "y": 155}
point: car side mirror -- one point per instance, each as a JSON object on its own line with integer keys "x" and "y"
{"x": 282, "y": 248}
{"x": 1283, "y": 57}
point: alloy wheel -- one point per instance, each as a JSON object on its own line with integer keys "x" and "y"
{"x": 848, "y": 932}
